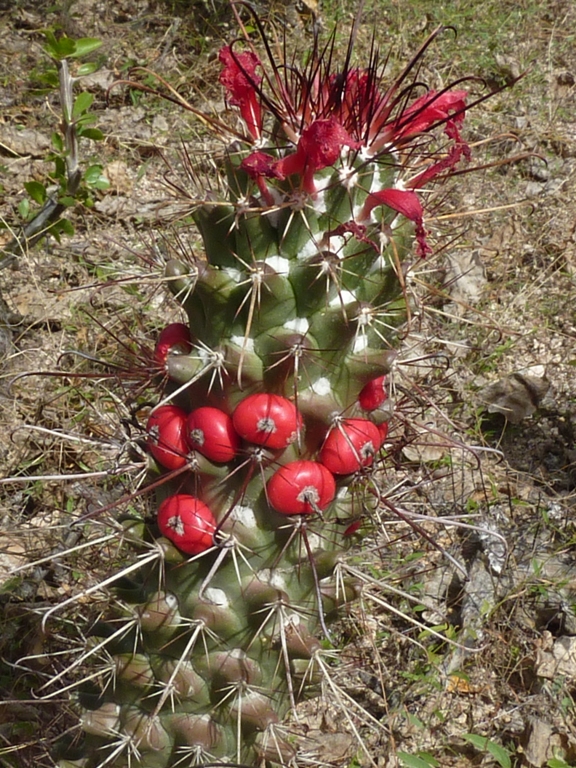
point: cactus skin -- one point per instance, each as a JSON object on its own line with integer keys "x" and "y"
{"x": 298, "y": 298}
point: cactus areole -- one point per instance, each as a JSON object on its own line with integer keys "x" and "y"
{"x": 264, "y": 460}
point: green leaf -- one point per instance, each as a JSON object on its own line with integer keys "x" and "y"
{"x": 415, "y": 721}
{"x": 82, "y": 103}
{"x": 36, "y": 190}
{"x": 67, "y": 200}
{"x": 24, "y": 208}
{"x": 51, "y": 46}
{"x": 59, "y": 49}
{"x": 413, "y": 761}
{"x": 85, "y": 45}
{"x": 11, "y": 585}
{"x": 62, "y": 226}
{"x": 57, "y": 142}
{"x": 500, "y": 754}
{"x": 143, "y": 169}
{"x": 430, "y": 759}
{"x": 59, "y": 171}
{"x": 484, "y": 744}
{"x": 87, "y": 68}
{"x": 95, "y": 179}
{"x": 66, "y": 47}
{"x": 556, "y": 762}
{"x": 50, "y": 77}
{"x": 477, "y": 741}
{"x": 86, "y": 119}
{"x": 91, "y": 133}
{"x": 92, "y": 174}
{"x": 66, "y": 227}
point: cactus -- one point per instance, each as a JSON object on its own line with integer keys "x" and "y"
{"x": 273, "y": 417}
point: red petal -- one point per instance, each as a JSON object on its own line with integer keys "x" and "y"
{"x": 240, "y": 80}
{"x": 430, "y": 109}
{"x": 405, "y": 202}
{"x": 432, "y": 171}
{"x": 291, "y": 164}
{"x": 239, "y": 74}
{"x": 260, "y": 164}
{"x": 319, "y": 147}
{"x": 322, "y": 142}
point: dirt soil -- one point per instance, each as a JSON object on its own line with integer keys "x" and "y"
{"x": 492, "y": 332}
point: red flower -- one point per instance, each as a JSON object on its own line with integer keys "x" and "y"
{"x": 319, "y": 147}
{"x": 429, "y": 109}
{"x": 405, "y": 202}
{"x": 451, "y": 159}
{"x": 259, "y": 165}
{"x": 320, "y": 112}
{"x": 239, "y": 78}
{"x": 365, "y": 109}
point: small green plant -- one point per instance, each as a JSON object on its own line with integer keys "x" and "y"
{"x": 484, "y": 744}
{"x": 421, "y": 760}
{"x": 69, "y": 182}
{"x": 558, "y": 762}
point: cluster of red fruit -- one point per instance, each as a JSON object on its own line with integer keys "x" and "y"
{"x": 267, "y": 420}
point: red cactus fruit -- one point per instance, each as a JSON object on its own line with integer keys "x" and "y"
{"x": 166, "y": 429}
{"x": 373, "y": 394}
{"x": 269, "y": 420}
{"x": 187, "y": 522}
{"x": 301, "y": 488}
{"x": 350, "y": 445}
{"x": 211, "y": 432}
{"x": 173, "y": 340}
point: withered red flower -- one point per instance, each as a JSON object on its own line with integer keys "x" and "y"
{"x": 241, "y": 82}
{"x": 259, "y": 165}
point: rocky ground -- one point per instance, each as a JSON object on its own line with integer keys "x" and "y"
{"x": 492, "y": 332}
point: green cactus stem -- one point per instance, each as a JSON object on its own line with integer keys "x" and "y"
{"x": 295, "y": 303}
